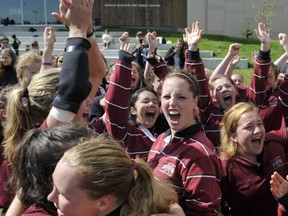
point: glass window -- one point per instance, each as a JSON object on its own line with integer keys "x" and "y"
{"x": 29, "y": 12}
{"x": 10, "y": 12}
{"x": 33, "y": 12}
{"x": 51, "y": 6}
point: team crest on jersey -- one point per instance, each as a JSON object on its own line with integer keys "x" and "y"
{"x": 277, "y": 162}
{"x": 168, "y": 168}
{"x": 273, "y": 102}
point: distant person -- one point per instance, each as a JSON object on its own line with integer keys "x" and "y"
{"x": 7, "y": 68}
{"x": 140, "y": 49}
{"x": 27, "y": 47}
{"x": 35, "y": 47}
{"x": 175, "y": 57}
{"x": 59, "y": 60}
{"x": 15, "y": 44}
{"x": 107, "y": 39}
{"x": 237, "y": 79}
{"x": 4, "y": 43}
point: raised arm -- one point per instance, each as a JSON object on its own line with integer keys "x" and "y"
{"x": 74, "y": 85}
{"x": 234, "y": 61}
{"x": 119, "y": 92}
{"x": 283, "y": 40}
{"x": 257, "y": 90}
{"x": 222, "y": 67}
{"x": 193, "y": 62}
{"x": 281, "y": 60}
{"x": 283, "y": 88}
{"x": 49, "y": 41}
{"x": 97, "y": 67}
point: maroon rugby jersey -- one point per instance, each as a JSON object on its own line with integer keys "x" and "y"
{"x": 189, "y": 162}
{"x": 212, "y": 115}
{"x": 283, "y": 97}
{"x": 6, "y": 191}
{"x": 271, "y": 111}
{"x": 136, "y": 141}
{"x": 246, "y": 187}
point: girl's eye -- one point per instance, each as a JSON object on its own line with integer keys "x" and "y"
{"x": 219, "y": 88}
{"x": 260, "y": 123}
{"x": 228, "y": 85}
{"x": 248, "y": 128}
{"x": 166, "y": 97}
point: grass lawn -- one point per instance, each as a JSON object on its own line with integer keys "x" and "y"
{"x": 219, "y": 44}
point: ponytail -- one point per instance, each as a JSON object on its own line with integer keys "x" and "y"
{"x": 148, "y": 195}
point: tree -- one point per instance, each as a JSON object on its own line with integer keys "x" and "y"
{"x": 264, "y": 12}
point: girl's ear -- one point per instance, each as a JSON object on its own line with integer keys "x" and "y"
{"x": 105, "y": 204}
{"x": 196, "y": 99}
{"x": 133, "y": 111}
{"x": 233, "y": 137}
{"x": 212, "y": 95}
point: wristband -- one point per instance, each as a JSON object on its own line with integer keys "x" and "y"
{"x": 91, "y": 39}
{"x": 47, "y": 63}
{"x": 90, "y": 34}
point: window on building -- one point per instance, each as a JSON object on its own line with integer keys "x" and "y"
{"x": 28, "y": 12}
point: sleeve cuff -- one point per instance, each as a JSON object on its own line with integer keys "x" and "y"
{"x": 264, "y": 55}
{"x": 284, "y": 201}
{"x": 194, "y": 55}
{"x": 125, "y": 57}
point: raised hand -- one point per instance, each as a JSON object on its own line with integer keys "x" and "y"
{"x": 62, "y": 9}
{"x": 234, "y": 49}
{"x": 193, "y": 36}
{"x": 127, "y": 48}
{"x": 124, "y": 39}
{"x": 283, "y": 40}
{"x": 75, "y": 14}
{"x": 278, "y": 185}
{"x": 263, "y": 35}
{"x": 153, "y": 43}
{"x": 49, "y": 37}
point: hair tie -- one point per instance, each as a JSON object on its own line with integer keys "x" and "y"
{"x": 25, "y": 93}
{"x": 135, "y": 172}
{"x": 25, "y": 99}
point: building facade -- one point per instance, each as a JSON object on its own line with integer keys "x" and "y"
{"x": 229, "y": 17}
{"x": 225, "y": 17}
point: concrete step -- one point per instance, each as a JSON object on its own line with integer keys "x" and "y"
{"x": 112, "y": 53}
{"x": 210, "y": 63}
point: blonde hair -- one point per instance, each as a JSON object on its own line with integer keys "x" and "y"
{"x": 229, "y": 125}
{"x": 29, "y": 107}
{"x": 104, "y": 168}
{"x": 25, "y": 60}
